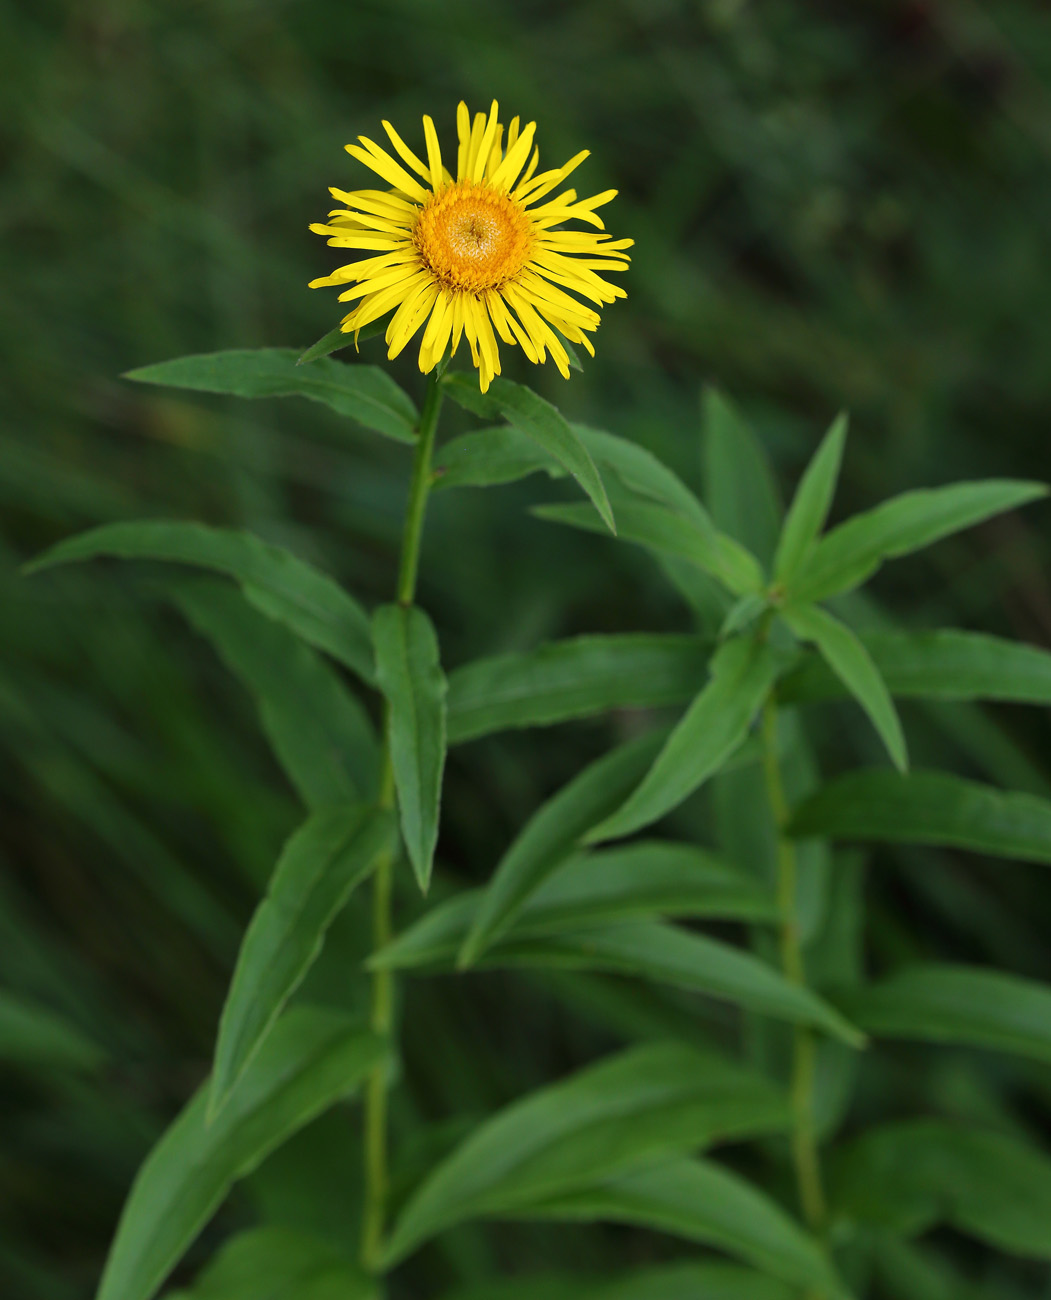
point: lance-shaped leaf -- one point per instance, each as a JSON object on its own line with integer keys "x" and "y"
{"x": 338, "y": 339}
{"x": 667, "y": 533}
{"x": 680, "y": 1281}
{"x": 852, "y": 664}
{"x": 943, "y": 665}
{"x": 851, "y": 553}
{"x": 321, "y": 735}
{"x": 702, "y": 1202}
{"x": 279, "y": 1263}
{"x": 312, "y": 1059}
{"x": 739, "y": 483}
{"x": 274, "y": 580}
{"x": 928, "y": 808}
{"x": 490, "y": 457}
{"x": 538, "y": 419}
{"x": 667, "y": 954}
{"x": 715, "y": 724}
{"x": 642, "y": 473}
{"x": 331, "y": 853}
{"x": 552, "y": 834}
{"x": 811, "y": 503}
{"x": 574, "y": 679}
{"x": 365, "y": 393}
{"x": 957, "y": 1004}
{"x": 410, "y": 676}
{"x": 642, "y": 880}
{"x": 650, "y": 1101}
{"x": 904, "y": 1178}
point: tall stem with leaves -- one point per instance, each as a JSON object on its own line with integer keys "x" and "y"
{"x": 805, "y": 1154}
{"x": 375, "y": 1115}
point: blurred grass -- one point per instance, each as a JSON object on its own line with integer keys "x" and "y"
{"x": 835, "y": 205}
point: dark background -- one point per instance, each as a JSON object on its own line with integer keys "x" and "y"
{"x": 834, "y": 205}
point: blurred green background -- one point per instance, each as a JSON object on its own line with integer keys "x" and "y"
{"x": 834, "y": 205}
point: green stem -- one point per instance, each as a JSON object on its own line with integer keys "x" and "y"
{"x": 804, "y": 1137}
{"x": 381, "y": 1017}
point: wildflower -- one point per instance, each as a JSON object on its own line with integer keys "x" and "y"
{"x": 481, "y": 256}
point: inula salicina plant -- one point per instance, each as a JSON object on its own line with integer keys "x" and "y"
{"x": 740, "y": 1140}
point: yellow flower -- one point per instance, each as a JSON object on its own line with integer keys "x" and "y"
{"x": 481, "y": 256}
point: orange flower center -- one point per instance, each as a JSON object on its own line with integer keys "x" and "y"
{"x": 473, "y": 237}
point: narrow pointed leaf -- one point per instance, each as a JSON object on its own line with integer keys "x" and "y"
{"x": 642, "y": 880}
{"x": 365, "y": 393}
{"x": 338, "y": 339}
{"x": 490, "y": 457}
{"x": 667, "y": 533}
{"x": 702, "y": 1202}
{"x": 679, "y": 1281}
{"x": 716, "y": 723}
{"x": 957, "y": 1004}
{"x": 739, "y": 483}
{"x": 330, "y": 854}
{"x": 667, "y": 954}
{"x": 410, "y": 676}
{"x": 811, "y": 503}
{"x": 928, "y": 808}
{"x": 279, "y": 1263}
{"x": 905, "y": 1178}
{"x": 943, "y": 665}
{"x": 552, "y": 834}
{"x": 641, "y": 472}
{"x": 852, "y": 664}
{"x": 312, "y": 1059}
{"x": 650, "y": 1101}
{"x": 574, "y": 679}
{"x": 851, "y": 553}
{"x": 321, "y": 735}
{"x": 274, "y": 580}
{"x": 538, "y": 419}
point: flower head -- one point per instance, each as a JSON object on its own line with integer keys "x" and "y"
{"x": 481, "y": 255}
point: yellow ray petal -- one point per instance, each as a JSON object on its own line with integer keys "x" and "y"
{"x": 404, "y": 152}
{"x": 384, "y": 165}
{"x": 507, "y": 173}
{"x": 434, "y": 154}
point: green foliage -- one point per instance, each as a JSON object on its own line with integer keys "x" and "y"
{"x": 280, "y": 1264}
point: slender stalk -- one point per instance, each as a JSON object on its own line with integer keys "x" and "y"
{"x": 804, "y": 1138}
{"x": 381, "y": 1017}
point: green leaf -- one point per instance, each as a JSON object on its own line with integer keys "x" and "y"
{"x": 715, "y": 724}
{"x": 337, "y": 339}
{"x": 328, "y": 856}
{"x": 278, "y": 1263}
{"x": 702, "y": 1202}
{"x": 645, "y": 879}
{"x": 650, "y": 1101}
{"x": 851, "y": 553}
{"x": 682, "y": 1281}
{"x": 944, "y": 665}
{"x": 410, "y": 676}
{"x": 667, "y": 954}
{"x": 365, "y": 393}
{"x": 34, "y": 1036}
{"x": 552, "y": 834}
{"x": 928, "y": 808}
{"x": 852, "y": 664}
{"x": 322, "y": 736}
{"x": 312, "y": 1058}
{"x": 905, "y": 1178}
{"x": 641, "y": 472}
{"x": 574, "y": 679}
{"x": 811, "y": 503}
{"x": 538, "y": 419}
{"x": 489, "y": 457}
{"x": 957, "y": 1004}
{"x": 739, "y": 484}
{"x": 274, "y": 580}
{"x": 668, "y": 533}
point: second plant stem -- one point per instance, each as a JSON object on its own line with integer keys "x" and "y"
{"x": 381, "y": 1018}
{"x": 805, "y": 1155}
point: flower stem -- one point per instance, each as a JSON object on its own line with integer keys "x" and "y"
{"x": 381, "y": 1017}
{"x": 804, "y": 1137}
